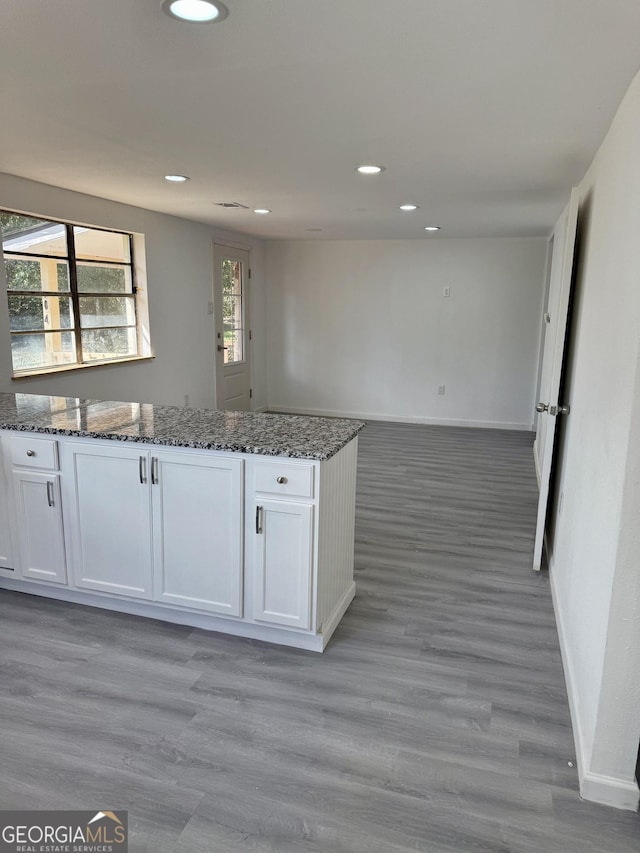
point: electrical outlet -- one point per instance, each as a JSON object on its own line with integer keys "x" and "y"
{"x": 186, "y": 401}
{"x": 210, "y": 308}
{"x": 441, "y": 390}
{"x": 446, "y": 291}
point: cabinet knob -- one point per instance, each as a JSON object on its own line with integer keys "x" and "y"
{"x": 31, "y": 453}
{"x": 281, "y": 480}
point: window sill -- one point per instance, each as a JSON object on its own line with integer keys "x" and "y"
{"x": 38, "y": 374}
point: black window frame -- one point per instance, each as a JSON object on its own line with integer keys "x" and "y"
{"x": 74, "y": 294}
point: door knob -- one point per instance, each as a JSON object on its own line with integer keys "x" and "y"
{"x": 220, "y": 347}
{"x": 542, "y": 407}
{"x": 559, "y": 410}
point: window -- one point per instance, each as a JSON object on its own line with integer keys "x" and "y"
{"x": 71, "y": 292}
{"x": 232, "y": 310}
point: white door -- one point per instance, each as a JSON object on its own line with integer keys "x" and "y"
{"x": 197, "y": 518}
{"x": 231, "y": 327}
{"x": 112, "y": 524}
{"x": 283, "y": 563}
{"x": 40, "y": 534}
{"x": 550, "y": 406}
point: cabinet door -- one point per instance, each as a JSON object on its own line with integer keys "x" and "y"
{"x": 6, "y": 550}
{"x": 40, "y": 533}
{"x": 198, "y": 530}
{"x": 283, "y": 562}
{"x": 112, "y": 524}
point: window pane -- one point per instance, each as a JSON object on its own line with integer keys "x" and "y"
{"x": 93, "y": 278}
{"x": 30, "y": 313}
{"x": 46, "y": 274}
{"x": 105, "y": 344}
{"x": 45, "y": 349}
{"x": 106, "y": 311}
{"x": 233, "y": 343}
{"x": 32, "y": 236}
{"x": 232, "y": 311}
{"x": 231, "y": 277}
{"x": 101, "y": 245}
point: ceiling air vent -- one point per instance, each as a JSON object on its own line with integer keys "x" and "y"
{"x": 235, "y": 204}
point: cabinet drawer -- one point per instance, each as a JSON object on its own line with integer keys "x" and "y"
{"x": 283, "y": 478}
{"x": 29, "y": 452}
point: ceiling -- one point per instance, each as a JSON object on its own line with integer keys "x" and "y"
{"x": 483, "y": 113}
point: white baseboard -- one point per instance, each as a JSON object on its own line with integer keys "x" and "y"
{"x": 610, "y": 792}
{"x": 341, "y": 608}
{"x": 155, "y": 610}
{"x": 377, "y": 416}
{"x": 260, "y": 409}
{"x": 606, "y": 790}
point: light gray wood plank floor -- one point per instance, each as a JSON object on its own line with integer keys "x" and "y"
{"x": 436, "y": 720}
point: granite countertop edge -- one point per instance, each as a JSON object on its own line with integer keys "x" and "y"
{"x": 230, "y": 447}
{"x": 270, "y": 438}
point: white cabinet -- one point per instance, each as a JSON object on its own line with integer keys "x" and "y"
{"x": 197, "y": 520}
{"x": 283, "y": 563}
{"x": 111, "y": 522}
{"x": 163, "y": 525}
{"x": 6, "y": 550}
{"x": 253, "y": 545}
{"x": 36, "y": 507}
{"x": 39, "y": 525}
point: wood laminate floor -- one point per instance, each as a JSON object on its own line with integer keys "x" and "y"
{"x": 436, "y": 720}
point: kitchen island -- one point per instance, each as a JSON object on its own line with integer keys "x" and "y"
{"x": 228, "y": 521}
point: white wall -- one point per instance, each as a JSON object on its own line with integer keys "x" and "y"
{"x": 362, "y": 328}
{"x": 595, "y": 559}
{"x": 179, "y": 259}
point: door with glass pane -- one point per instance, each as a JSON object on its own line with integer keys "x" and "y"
{"x": 232, "y": 336}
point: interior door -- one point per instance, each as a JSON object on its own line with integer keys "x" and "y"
{"x": 550, "y": 407}
{"x": 232, "y": 335}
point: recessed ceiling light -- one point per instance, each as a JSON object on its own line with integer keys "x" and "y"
{"x": 370, "y": 170}
{"x": 261, "y": 210}
{"x": 176, "y": 179}
{"x": 313, "y": 229}
{"x": 196, "y": 11}
{"x": 431, "y": 227}
{"x": 408, "y": 207}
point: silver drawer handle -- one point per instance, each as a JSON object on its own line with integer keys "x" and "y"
{"x": 31, "y": 453}
{"x": 281, "y": 480}
{"x": 50, "y": 493}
